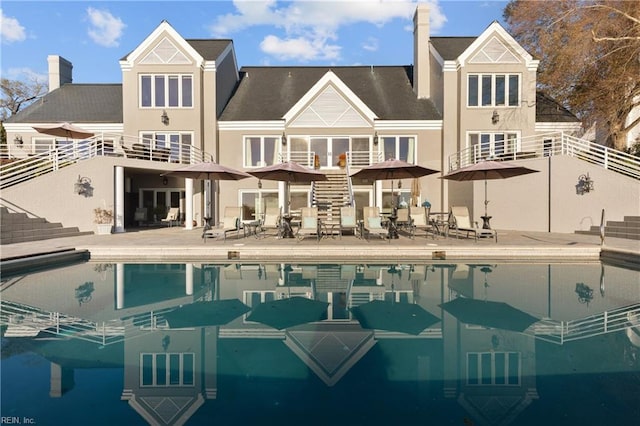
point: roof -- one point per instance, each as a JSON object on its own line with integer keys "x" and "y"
{"x": 268, "y": 93}
{"x": 77, "y": 103}
{"x": 209, "y": 49}
{"x": 450, "y": 48}
{"x": 549, "y": 110}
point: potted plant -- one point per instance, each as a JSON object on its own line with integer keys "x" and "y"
{"x": 342, "y": 160}
{"x": 103, "y": 219}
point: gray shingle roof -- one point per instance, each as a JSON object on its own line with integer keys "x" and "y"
{"x": 209, "y": 49}
{"x": 267, "y": 93}
{"x": 78, "y": 103}
{"x": 451, "y": 47}
{"x": 550, "y": 111}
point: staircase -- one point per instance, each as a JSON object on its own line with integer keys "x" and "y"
{"x": 18, "y": 228}
{"x": 331, "y": 194}
{"x": 628, "y": 228}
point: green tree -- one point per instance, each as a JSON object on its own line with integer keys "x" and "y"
{"x": 589, "y": 54}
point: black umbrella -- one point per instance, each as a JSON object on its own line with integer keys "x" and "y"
{"x": 203, "y": 314}
{"x": 408, "y": 318}
{"x": 289, "y": 312}
{"x": 489, "y": 314}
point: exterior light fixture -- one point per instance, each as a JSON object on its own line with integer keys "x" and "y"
{"x": 165, "y": 181}
{"x": 284, "y": 138}
{"x": 164, "y": 118}
{"x": 584, "y": 185}
{"x": 376, "y": 139}
{"x": 495, "y": 117}
{"x": 259, "y": 184}
{"x": 82, "y": 186}
{"x": 18, "y": 140}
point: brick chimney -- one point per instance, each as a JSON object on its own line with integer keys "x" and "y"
{"x": 421, "y": 51}
{"x": 60, "y": 71}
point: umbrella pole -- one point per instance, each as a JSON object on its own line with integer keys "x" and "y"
{"x": 485, "y": 198}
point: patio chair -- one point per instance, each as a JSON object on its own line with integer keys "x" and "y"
{"x": 372, "y": 223}
{"x": 419, "y": 221}
{"x": 309, "y": 224}
{"x": 173, "y": 215}
{"x": 271, "y": 220}
{"x": 460, "y": 221}
{"x": 403, "y": 220}
{"x": 230, "y": 223}
{"x": 348, "y": 220}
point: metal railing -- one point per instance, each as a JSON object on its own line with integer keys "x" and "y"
{"x": 546, "y": 145}
{"x": 41, "y": 159}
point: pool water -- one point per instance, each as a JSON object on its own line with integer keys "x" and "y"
{"x": 326, "y": 344}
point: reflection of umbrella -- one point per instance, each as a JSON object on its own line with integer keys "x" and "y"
{"x": 202, "y": 314}
{"x": 407, "y": 318}
{"x": 288, "y": 172}
{"x": 488, "y": 170}
{"x": 489, "y": 314}
{"x": 208, "y": 171}
{"x": 392, "y": 169}
{"x": 64, "y": 130}
{"x": 285, "y": 313}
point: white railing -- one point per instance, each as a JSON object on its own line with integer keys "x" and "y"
{"x": 546, "y": 145}
{"x": 41, "y": 159}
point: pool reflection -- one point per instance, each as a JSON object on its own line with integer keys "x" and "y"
{"x": 123, "y": 332}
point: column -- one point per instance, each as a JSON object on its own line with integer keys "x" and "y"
{"x": 119, "y": 187}
{"x": 188, "y": 195}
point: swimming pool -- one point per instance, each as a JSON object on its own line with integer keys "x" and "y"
{"x": 101, "y": 343}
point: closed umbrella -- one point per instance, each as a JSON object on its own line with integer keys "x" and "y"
{"x": 64, "y": 130}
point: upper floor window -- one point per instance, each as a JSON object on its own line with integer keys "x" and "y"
{"x": 493, "y": 90}
{"x": 260, "y": 151}
{"x": 399, "y": 148}
{"x": 166, "y": 91}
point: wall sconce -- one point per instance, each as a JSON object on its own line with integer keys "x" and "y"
{"x": 376, "y": 140}
{"x": 259, "y": 184}
{"x": 584, "y": 185}
{"x": 165, "y": 181}
{"x": 495, "y": 117}
{"x": 283, "y": 139}
{"x": 18, "y": 140}
{"x": 164, "y": 118}
{"x": 82, "y": 186}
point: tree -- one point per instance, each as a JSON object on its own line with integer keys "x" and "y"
{"x": 589, "y": 54}
{"x": 18, "y": 94}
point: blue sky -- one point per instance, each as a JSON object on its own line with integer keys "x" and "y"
{"x": 94, "y": 35}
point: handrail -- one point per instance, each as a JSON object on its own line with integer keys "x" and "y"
{"x": 547, "y": 145}
{"x": 43, "y": 159}
{"x": 347, "y": 170}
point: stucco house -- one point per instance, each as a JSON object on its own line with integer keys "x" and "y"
{"x": 464, "y": 99}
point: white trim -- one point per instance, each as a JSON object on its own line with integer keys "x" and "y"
{"x": 408, "y": 125}
{"x": 251, "y": 125}
{"x": 450, "y": 66}
{"x": 436, "y": 55}
{"x": 327, "y": 79}
{"x": 557, "y": 126}
{"x": 91, "y": 127}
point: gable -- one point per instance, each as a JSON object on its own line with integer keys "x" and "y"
{"x": 494, "y": 52}
{"x": 165, "y": 52}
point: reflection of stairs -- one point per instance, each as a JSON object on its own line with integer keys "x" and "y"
{"x": 329, "y": 278}
{"x": 18, "y": 227}
{"x": 331, "y": 194}
{"x": 628, "y": 228}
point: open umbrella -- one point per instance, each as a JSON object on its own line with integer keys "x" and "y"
{"x": 489, "y": 314}
{"x": 64, "y": 130}
{"x": 488, "y": 170}
{"x": 409, "y": 318}
{"x": 208, "y": 171}
{"x": 202, "y": 314}
{"x": 289, "y": 312}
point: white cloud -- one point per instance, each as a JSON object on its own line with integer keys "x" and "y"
{"x": 105, "y": 28}
{"x": 371, "y": 44}
{"x": 315, "y": 24}
{"x": 10, "y": 29}
{"x": 25, "y": 74}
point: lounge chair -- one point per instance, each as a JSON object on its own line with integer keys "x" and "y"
{"x": 372, "y": 222}
{"x": 173, "y": 216}
{"x": 309, "y": 224}
{"x": 460, "y": 221}
{"x": 230, "y": 223}
{"x": 419, "y": 221}
{"x": 348, "y": 220}
{"x": 402, "y": 220}
{"x": 271, "y": 221}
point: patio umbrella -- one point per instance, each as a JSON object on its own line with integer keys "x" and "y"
{"x": 208, "y": 171}
{"x": 288, "y": 171}
{"x": 489, "y": 314}
{"x": 202, "y": 314}
{"x": 409, "y": 318}
{"x": 488, "y": 170}
{"x": 391, "y": 170}
{"x": 289, "y": 312}
{"x": 64, "y": 130}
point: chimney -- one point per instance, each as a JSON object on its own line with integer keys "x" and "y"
{"x": 60, "y": 71}
{"x": 421, "y": 51}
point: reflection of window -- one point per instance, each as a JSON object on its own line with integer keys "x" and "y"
{"x": 260, "y": 151}
{"x": 159, "y": 90}
{"x": 254, "y": 298}
{"x": 399, "y": 148}
{"x": 167, "y": 369}
{"x": 493, "y": 90}
{"x": 493, "y": 368}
